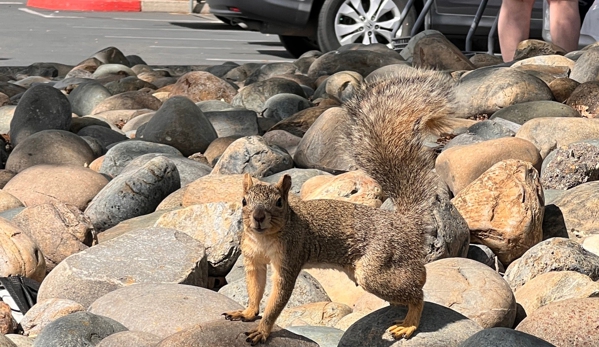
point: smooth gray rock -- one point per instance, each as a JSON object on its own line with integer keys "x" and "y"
{"x": 324, "y": 336}
{"x": 463, "y": 140}
{"x": 149, "y": 255}
{"x": 586, "y": 69}
{"x": 162, "y": 308}
{"x": 111, "y": 55}
{"x": 269, "y": 70}
{"x": 251, "y": 154}
{"x": 104, "y": 135}
{"x": 130, "y": 338}
{"x": 87, "y": 96}
{"x": 6, "y": 342}
{"x": 42, "y": 107}
{"x": 119, "y": 156}
{"x": 485, "y": 255}
{"x": 504, "y": 337}
{"x": 181, "y": 124}
{"x": 439, "y": 327}
{"x": 524, "y": 111}
{"x": 76, "y": 330}
{"x": 361, "y": 61}
{"x": 213, "y": 105}
{"x": 235, "y": 122}
{"x": 284, "y": 105}
{"x": 189, "y": 170}
{"x": 489, "y": 130}
{"x": 128, "y": 84}
{"x": 134, "y": 193}
{"x": 255, "y": 95}
{"x": 53, "y": 147}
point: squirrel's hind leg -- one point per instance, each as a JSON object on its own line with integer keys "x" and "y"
{"x": 404, "y": 328}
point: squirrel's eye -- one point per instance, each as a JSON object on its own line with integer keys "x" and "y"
{"x": 279, "y": 202}
{"x": 244, "y": 202}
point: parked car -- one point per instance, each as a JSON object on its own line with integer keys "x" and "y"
{"x": 304, "y": 25}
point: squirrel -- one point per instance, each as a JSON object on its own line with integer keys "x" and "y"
{"x": 382, "y": 251}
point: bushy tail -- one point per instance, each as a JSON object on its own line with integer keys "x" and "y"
{"x": 388, "y": 120}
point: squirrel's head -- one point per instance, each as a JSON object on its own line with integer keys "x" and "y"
{"x": 265, "y": 206}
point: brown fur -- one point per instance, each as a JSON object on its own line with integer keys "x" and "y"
{"x": 382, "y": 251}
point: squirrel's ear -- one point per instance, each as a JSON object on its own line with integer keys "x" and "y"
{"x": 247, "y": 182}
{"x": 284, "y": 184}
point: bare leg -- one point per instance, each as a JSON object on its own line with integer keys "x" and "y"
{"x": 565, "y": 23}
{"x": 513, "y": 25}
{"x": 255, "y": 276}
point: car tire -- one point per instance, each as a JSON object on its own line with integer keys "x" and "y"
{"x": 298, "y": 45}
{"x": 339, "y": 22}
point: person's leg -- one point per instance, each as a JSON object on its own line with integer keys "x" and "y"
{"x": 513, "y": 25}
{"x": 564, "y": 23}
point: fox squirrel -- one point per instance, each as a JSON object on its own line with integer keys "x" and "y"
{"x": 382, "y": 251}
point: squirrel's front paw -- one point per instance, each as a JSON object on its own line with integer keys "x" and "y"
{"x": 241, "y": 315}
{"x": 257, "y": 335}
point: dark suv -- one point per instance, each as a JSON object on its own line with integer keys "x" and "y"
{"x": 303, "y": 25}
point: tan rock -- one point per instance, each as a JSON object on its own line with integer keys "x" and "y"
{"x": 483, "y": 59}
{"x": 549, "y": 133}
{"x": 202, "y": 85}
{"x": 217, "y": 148}
{"x": 8, "y": 324}
{"x": 214, "y": 188}
{"x": 562, "y": 88}
{"x": 45, "y": 312}
{"x": 4, "y": 99}
{"x": 544, "y": 72}
{"x": 555, "y": 286}
{"x": 300, "y": 122}
{"x": 472, "y": 289}
{"x": 533, "y": 48}
{"x": 97, "y": 164}
{"x": 547, "y": 60}
{"x": 338, "y": 286}
{"x": 128, "y": 101}
{"x": 43, "y": 184}
{"x": 341, "y": 85}
{"x": 8, "y": 201}
{"x": 314, "y": 314}
{"x": 173, "y": 201}
{"x": 459, "y": 166}
{"x": 19, "y": 255}
{"x": 162, "y": 96}
{"x": 504, "y": 209}
{"x": 58, "y": 229}
{"x": 5, "y": 176}
{"x": 353, "y": 186}
{"x": 584, "y": 99}
{"x": 437, "y": 52}
{"x": 119, "y": 118}
{"x": 591, "y": 244}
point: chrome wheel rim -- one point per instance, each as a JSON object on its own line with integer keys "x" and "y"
{"x": 367, "y": 21}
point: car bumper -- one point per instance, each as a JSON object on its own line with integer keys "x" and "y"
{"x": 294, "y": 13}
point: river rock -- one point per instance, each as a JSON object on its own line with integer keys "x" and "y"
{"x": 555, "y": 254}
{"x": 252, "y": 155}
{"x": 59, "y": 230}
{"x": 461, "y": 165}
{"x": 150, "y": 255}
{"x": 128, "y": 101}
{"x": 86, "y": 96}
{"x": 562, "y": 88}
{"x": 437, "y": 52}
{"x": 217, "y": 148}
{"x": 19, "y": 254}
{"x": 319, "y": 147}
{"x": 118, "y": 119}
{"x": 532, "y": 48}
{"x": 584, "y": 99}
{"x": 11, "y": 89}
{"x": 269, "y": 70}
{"x": 487, "y": 90}
{"x": 130, "y": 338}
{"x": 282, "y": 139}
{"x": 254, "y": 96}
{"x": 41, "y": 107}
{"x": 77, "y": 329}
{"x": 554, "y": 286}
{"x": 218, "y": 226}
{"x": 105, "y": 136}
{"x": 133, "y": 193}
{"x": 472, "y": 289}
{"x": 128, "y": 84}
{"x": 202, "y": 85}
{"x": 567, "y": 167}
{"x": 181, "y": 124}
{"x": 354, "y": 186}
{"x": 591, "y": 244}
{"x": 189, "y": 170}
{"x": 227, "y": 333}
{"x": 214, "y": 188}
{"x": 314, "y": 314}
{"x": 45, "y": 312}
{"x": 142, "y": 307}
{"x": 240, "y": 73}
{"x": 284, "y": 105}
{"x": 504, "y": 337}
{"x": 485, "y": 255}
{"x": 549, "y": 133}
{"x": 569, "y": 322}
{"x": 525, "y": 111}
{"x": 8, "y": 201}
{"x": 111, "y": 55}
{"x": 585, "y": 69}
{"x": 324, "y": 336}
{"x": 235, "y": 122}
{"x": 299, "y": 123}
{"x": 504, "y": 209}
{"x": 439, "y": 326}
{"x": 360, "y": 61}
{"x": 213, "y": 105}
{"x": 121, "y": 154}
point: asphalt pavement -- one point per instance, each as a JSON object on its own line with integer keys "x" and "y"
{"x": 31, "y": 35}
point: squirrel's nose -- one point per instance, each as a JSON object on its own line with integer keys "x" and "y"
{"x": 259, "y": 215}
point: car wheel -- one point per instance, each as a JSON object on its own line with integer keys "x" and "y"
{"x": 341, "y": 22}
{"x": 298, "y": 45}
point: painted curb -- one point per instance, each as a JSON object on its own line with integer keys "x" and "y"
{"x": 87, "y": 5}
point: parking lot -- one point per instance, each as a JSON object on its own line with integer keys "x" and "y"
{"x": 31, "y": 35}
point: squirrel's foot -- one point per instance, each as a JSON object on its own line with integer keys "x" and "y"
{"x": 242, "y": 315}
{"x": 256, "y": 336}
{"x": 398, "y": 330}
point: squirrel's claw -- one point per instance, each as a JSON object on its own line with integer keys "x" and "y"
{"x": 256, "y": 336}
{"x": 240, "y": 315}
{"x": 398, "y": 331}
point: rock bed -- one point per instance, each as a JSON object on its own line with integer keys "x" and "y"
{"x": 121, "y": 189}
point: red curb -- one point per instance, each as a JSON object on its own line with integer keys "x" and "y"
{"x": 87, "y": 5}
